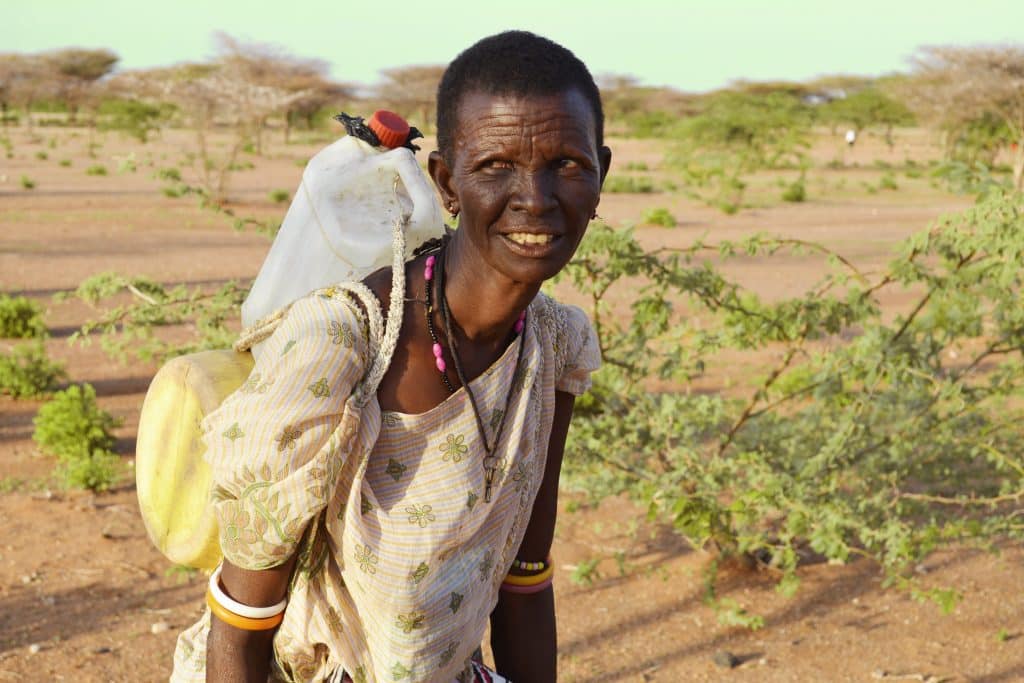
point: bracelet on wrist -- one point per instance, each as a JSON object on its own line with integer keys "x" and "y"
{"x": 237, "y": 614}
{"x": 531, "y": 566}
{"x": 531, "y": 580}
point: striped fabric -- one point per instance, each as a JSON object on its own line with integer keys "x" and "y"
{"x": 400, "y": 557}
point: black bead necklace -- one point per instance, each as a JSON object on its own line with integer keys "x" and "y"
{"x": 490, "y": 460}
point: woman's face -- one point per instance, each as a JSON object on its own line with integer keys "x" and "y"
{"x": 526, "y": 177}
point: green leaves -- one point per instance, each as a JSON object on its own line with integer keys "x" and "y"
{"x": 128, "y": 327}
{"x": 74, "y": 428}
{"x": 736, "y": 134}
{"x": 21, "y": 318}
{"x": 868, "y": 433}
{"x": 27, "y": 372}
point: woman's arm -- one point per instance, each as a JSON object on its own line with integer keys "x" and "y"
{"x": 235, "y": 655}
{"x": 523, "y": 634}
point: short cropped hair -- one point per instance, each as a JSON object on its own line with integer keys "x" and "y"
{"x": 512, "y": 63}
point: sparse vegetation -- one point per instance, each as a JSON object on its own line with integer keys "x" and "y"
{"x": 76, "y": 430}
{"x": 170, "y": 174}
{"x": 27, "y": 372}
{"x": 27, "y": 183}
{"x": 888, "y": 182}
{"x": 795, "y": 192}
{"x": 738, "y": 133}
{"x": 279, "y": 196}
{"x": 629, "y": 184}
{"x": 20, "y": 318}
{"x": 659, "y": 216}
{"x": 131, "y": 117}
{"x": 129, "y": 329}
{"x": 922, "y": 408}
{"x": 96, "y": 170}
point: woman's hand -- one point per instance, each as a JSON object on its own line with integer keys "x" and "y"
{"x": 236, "y": 655}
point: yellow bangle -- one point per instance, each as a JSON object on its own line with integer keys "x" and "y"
{"x": 240, "y": 622}
{"x": 533, "y": 580}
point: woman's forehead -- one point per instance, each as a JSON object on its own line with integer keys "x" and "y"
{"x": 485, "y": 116}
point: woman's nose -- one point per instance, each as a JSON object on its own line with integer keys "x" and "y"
{"x": 533, "y": 192}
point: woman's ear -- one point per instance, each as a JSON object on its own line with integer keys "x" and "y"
{"x": 604, "y": 158}
{"x": 439, "y": 172}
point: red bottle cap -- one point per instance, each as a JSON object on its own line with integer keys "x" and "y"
{"x": 391, "y": 129}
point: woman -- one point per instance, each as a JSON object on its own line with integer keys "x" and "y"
{"x": 395, "y": 529}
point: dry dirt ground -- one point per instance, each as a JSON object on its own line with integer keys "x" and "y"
{"x": 85, "y": 597}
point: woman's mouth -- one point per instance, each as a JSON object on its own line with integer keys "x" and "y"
{"x": 531, "y": 244}
{"x": 530, "y": 238}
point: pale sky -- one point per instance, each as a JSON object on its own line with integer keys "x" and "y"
{"x": 693, "y": 45}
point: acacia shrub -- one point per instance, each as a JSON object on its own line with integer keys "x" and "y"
{"x": 76, "y": 430}
{"x": 27, "y": 372}
{"x": 736, "y": 134}
{"x": 129, "y": 329}
{"x": 20, "y": 318}
{"x": 877, "y": 436}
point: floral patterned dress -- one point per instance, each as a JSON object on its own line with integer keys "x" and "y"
{"x": 399, "y": 556}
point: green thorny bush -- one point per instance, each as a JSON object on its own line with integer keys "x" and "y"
{"x": 874, "y": 435}
{"x": 27, "y": 372}
{"x": 128, "y": 327}
{"x": 21, "y": 318}
{"x": 74, "y": 428}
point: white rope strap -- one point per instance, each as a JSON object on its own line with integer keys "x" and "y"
{"x": 372, "y": 307}
{"x": 260, "y": 330}
{"x": 382, "y": 359}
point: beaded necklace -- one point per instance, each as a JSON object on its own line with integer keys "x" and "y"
{"x": 490, "y": 460}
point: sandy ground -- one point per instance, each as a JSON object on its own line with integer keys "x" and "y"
{"x": 85, "y": 597}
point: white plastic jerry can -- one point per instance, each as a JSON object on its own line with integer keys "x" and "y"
{"x": 339, "y": 225}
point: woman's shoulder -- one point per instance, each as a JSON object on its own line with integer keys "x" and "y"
{"x": 566, "y": 330}
{"x": 564, "y": 318}
{"x": 330, "y": 317}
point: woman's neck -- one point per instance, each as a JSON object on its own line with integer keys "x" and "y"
{"x": 484, "y": 303}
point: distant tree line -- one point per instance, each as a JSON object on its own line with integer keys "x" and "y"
{"x": 973, "y": 95}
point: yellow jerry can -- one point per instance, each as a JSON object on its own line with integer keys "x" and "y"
{"x": 172, "y": 478}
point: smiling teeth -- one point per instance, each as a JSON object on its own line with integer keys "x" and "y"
{"x": 529, "y": 238}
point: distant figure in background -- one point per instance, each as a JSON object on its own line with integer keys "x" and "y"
{"x": 851, "y": 137}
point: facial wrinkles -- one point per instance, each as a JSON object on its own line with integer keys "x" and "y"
{"x": 506, "y": 135}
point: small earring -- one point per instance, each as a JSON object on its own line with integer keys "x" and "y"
{"x": 452, "y": 209}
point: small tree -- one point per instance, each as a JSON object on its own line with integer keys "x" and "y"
{"x": 301, "y": 84}
{"x": 645, "y": 111}
{"x": 76, "y": 71}
{"x": 958, "y": 86}
{"x": 209, "y": 94}
{"x": 412, "y": 91}
{"x": 320, "y": 93}
{"x": 738, "y": 133}
{"x": 866, "y": 108}
{"x": 23, "y": 79}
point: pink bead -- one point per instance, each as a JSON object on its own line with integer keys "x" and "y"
{"x": 522, "y": 315}
{"x": 428, "y": 274}
{"x": 437, "y": 350}
{"x": 519, "y": 326}
{"x": 440, "y": 365}
{"x": 431, "y": 261}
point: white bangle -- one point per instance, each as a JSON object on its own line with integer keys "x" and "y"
{"x": 237, "y": 607}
